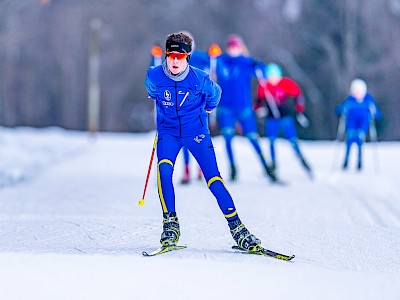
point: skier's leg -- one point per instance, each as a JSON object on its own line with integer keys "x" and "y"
{"x": 167, "y": 150}
{"x": 271, "y": 127}
{"x": 204, "y": 153}
{"x": 186, "y": 175}
{"x": 228, "y": 134}
{"x": 289, "y": 130}
{"x": 349, "y": 141}
{"x": 253, "y": 138}
{"x": 360, "y": 141}
{"x": 226, "y": 120}
{"x": 249, "y": 126}
{"x": 272, "y": 151}
{"x": 200, "y": 174}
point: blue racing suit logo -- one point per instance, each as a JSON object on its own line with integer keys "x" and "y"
{"x": 167, "y": 95}
{"x": 199, "y": 138}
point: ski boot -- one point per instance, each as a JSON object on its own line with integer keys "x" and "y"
{"x": 200, "y": 175}
{"x": 242, "y": 236}
{"x": 345, "y": 164}
{"x": 233, "y": 172}
{"x": 271, "y": 173}
{"x": 171, "y": 231}
{"x": 359, "y": 165}
{"x": 307, "y": 167}
{"x": 186, "y": 175}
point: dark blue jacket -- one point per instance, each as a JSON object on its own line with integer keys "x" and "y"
{"x": 234, "y": 75}
{"x": 181, "y": 105}
{"x": 200, "y": 60}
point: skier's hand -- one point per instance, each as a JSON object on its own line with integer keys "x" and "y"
{"x": 262, "y": 82}
{"x": 299, "y": 107}
{"x": 261, "y": 112}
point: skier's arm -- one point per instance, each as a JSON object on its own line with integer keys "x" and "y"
{"x": 260, "y": 105}
{"x": 374, "y": 110}
{"x": 212, "y": 92}
{"x": 300, "y": 107}
{"x": 342, "y": 108}
{"x": 150, "y": 87}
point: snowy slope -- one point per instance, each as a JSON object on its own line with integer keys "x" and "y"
{"x": 70, "y": 226}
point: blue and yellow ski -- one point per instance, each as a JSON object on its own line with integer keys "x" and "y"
{"x": 164, "y": 249}
{"x": 265, "y": 252}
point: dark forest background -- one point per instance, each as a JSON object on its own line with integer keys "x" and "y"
{"x": 323, "y": 45}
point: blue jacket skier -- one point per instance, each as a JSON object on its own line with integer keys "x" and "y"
{"x": 234, "y": 72}
{"x": 184, "y": 95}
{"x": 359, "y": 110}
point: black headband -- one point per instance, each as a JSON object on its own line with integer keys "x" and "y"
{"x": 177, "y": 47}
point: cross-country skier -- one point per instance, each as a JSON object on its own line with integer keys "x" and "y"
{"x": 234, "y": 73}
{"x": 272, "y": 102}
{"x": 359, "y": 109}
{"x": 183, "y": 96}
{"x": 199, "y": 60}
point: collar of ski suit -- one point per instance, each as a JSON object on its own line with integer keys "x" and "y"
{"x": 178, "y": 77}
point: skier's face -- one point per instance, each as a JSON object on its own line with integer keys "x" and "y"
{"x": 359, "y": 95}
{"x": 274, "y": 79}
{"x": 176, "y": 62}
{"x": 234, "y": 50}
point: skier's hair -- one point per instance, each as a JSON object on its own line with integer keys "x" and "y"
{"x": 180, "y": 37}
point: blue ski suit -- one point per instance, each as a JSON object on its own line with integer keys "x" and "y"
{"x": 358, "y": 116}
{"x": 234, "y": 75}
{"x": 181, "y": 107}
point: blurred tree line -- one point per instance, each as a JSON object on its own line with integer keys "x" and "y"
{"x": 323, "y": 45}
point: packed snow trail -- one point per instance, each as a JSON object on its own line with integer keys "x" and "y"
{"x": 75, "y": 223}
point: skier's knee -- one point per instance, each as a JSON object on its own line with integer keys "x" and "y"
{"x": 252, "y": 136}
{"x": 228, "y": 131}
{"x": 214, "y": 179}
{"x": 165, "y": 166}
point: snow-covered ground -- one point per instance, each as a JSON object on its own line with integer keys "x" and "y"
{"x": 70, "y": 226}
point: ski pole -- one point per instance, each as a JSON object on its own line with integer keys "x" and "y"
{"x": 141, "y": 201}
{"x": 339, "y": 137}
{"x": 271, "y": 102}
{"x": 374, "y": 139}
{"x": 302, "y": 119}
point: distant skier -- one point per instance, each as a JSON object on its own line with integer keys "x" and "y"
{"x": 156, "y": 55}
{"x": 235, "y": 70}
{"x": 272, "y": 102}
{"x": 359, "y": 111}
{"x": 184, "y": 95}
